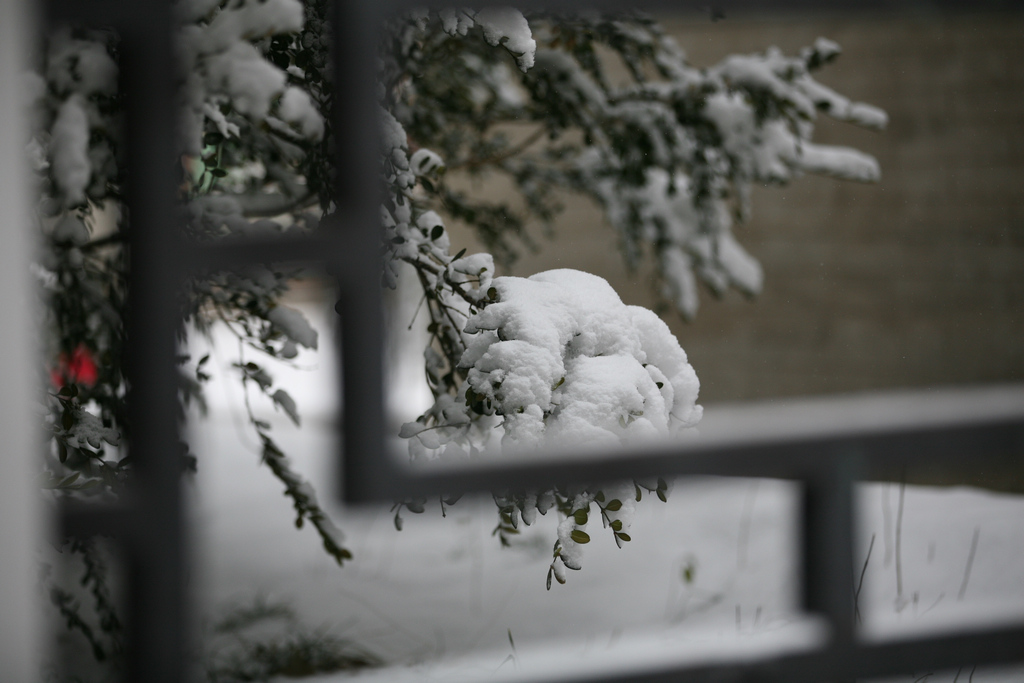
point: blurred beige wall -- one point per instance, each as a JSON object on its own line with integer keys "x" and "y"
{"x": 915, "y": 281}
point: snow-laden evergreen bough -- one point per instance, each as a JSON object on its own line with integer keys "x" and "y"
{"x": 671, "y": 155}
{"x": 669, "y": 150}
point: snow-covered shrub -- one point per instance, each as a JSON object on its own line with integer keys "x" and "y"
{"x": 512, "y": 363}
{"x": 562, "y": 360}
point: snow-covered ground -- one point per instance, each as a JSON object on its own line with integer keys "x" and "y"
{"x": 710, "y": 574}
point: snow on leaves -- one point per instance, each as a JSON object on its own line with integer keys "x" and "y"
{"x": 671, "y": 155}
{"x": 507, "y": 27}
{"x": 70, "y": 151}
{"x": 565, "y": 361}
{"x": 294, "y": 325}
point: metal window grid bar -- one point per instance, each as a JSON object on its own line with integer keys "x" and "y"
{"x": 149, "y": 524}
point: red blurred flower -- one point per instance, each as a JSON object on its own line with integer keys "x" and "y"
{"x": 79, "y": 369}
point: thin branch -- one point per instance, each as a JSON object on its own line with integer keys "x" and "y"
{"x": 117, "y": 237}
{"x": 887, "y": 524}
{"x": 744, "y": 532}
{"x": 417, "y": 311}
{"x": 970, "y": 563}
{"x": 860, "y": 582}
{"x": 473, "y": 163}
{"x": 899, "y": 534}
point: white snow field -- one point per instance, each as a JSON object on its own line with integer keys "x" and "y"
{"x": 711, "y": 574}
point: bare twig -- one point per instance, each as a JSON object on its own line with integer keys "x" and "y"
{"x": 970, "y": 563}
{"x": 746, "y": 516}
{"x": 860, "y": 583}
{"x": 899, "y": 533}
{"x": 887, "y": 524}
{"x": 498, "y": 158}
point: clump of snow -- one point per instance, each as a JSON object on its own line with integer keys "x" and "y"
{"x": 220, "y": 64}
{"x": 842, "y": 162}
{"x": 565, "y": 362}
{"x": 297, "y": 108}
{"x": 88, "y": 431}
{"x": 693, "y": 243}
{"x": 476, "y": 269}
{"x": 426, "y": 162}
{"x": 80, "y": 66}
{"x": 224, "y": 127}
{"x": 507, "y": 26}
{"x": 293, "y": 324}
{"x": 70, "y": 151}
{"x": 194, "y": 10}
{"x": 252, "y": 20}
{"x": 70, "y": 229}
{"x": 455, "y": 22}
{"x": 251, "y": 81}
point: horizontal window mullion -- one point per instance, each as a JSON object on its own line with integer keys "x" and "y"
{"x": 884, "y": 455}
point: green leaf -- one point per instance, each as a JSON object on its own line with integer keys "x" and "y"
{"x": 599, "y": 497}
{"x": 580, "y": 516}
{"x": 580, "y": 537}
{"x": 436, "y": 232}
{"x": 623, "y": 536}
{"x": 218, "y": 172}
{"x": 459, "y": 255}
{"x": 639, "y": 493}
{"x": 661, "y": 385}
{"x": 661, "y": 495}
{"x": 67, "y": 420}
{"x": 62, "y": 452}
{"x": 492, "y": 294}
{"x": 613, "y": 505}
{"x": 70, "y": 479}
{"x": 616, "y": 525}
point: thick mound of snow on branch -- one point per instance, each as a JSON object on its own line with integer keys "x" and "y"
{"x": 507, "y": 26}
{"x": 566, "y": 362}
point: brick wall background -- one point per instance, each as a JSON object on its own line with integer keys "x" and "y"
{"x": 915, "y": 281}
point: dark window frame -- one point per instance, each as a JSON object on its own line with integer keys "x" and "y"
{"x": 150, "y": 524}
